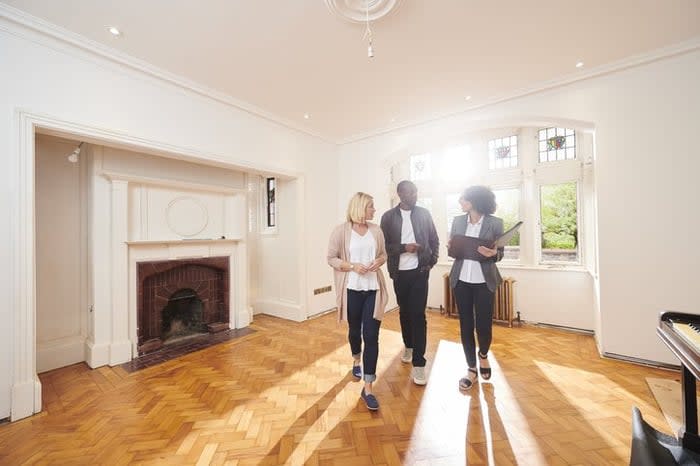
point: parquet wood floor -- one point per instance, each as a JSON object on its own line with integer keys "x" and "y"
{"x": 284, "y": 395}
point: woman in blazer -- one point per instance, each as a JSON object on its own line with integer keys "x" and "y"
{"x": 473, "y": 282}
{"x": 356, "y": 252}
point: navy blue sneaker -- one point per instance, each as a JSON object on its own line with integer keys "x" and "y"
{"x": 357, "y": 371}
{"x": 370, "y": 401}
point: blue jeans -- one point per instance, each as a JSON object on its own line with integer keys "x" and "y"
{"x": 363, "y": 326}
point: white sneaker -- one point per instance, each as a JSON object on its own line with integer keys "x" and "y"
{"x": 418, "y": 375}
{"x": 407, "y": 355}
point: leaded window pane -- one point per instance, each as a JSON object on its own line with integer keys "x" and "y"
{"x": 557, "y": 144}
{"x": 503, "y": 152}
{"x": 420, "y": 167}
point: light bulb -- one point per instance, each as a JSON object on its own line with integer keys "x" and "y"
{"x": 370, "y": 51}
{"x": 73, "y": 157}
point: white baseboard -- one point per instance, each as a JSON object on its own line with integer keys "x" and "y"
{"x": 59, "y": 353}
{"x": 26, "y": 399}
{"x": 281, "y": 309}
{"x": 119, "y": 352}
{"x": 96, "y": 355}
{"x": 243, "y": 318}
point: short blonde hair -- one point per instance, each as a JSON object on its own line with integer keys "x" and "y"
{"x": 358, "y": 206}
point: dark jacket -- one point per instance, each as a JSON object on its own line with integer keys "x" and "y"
{"x": 424, "y": 231}
{"x": 491, "y": 228}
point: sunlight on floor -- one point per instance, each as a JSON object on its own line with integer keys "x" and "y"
{"x": 336, "y": 396}
{"x": 454, "y": 427}
{"x": 286, "y": 400}
{"x": 346, "y": 399}
{"x": 589, "y": 393}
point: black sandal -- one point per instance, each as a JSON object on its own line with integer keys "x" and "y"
{"x": 465, "y": 383}
{"x": 484, "y": 371}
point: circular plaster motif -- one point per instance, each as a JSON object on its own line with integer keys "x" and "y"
{"x": 186, "y": 216}
{"x": 357, "y": 10}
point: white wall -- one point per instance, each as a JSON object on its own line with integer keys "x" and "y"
{"x": 61, "y": 263}
{"x": 44, "y": 77}
{"x": 279, "y": 288}
{"x": 646, "y": 191}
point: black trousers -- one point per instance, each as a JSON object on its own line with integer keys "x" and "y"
{"x": 411, "y": 288}
{"x": 363, "y": 326}
{"x": 475, "y": 304}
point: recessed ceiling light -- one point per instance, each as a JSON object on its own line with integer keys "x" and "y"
{"x": 114, "y": 31}
{"x": 306, "y": 116}
{"x": 468, "y": 98}
{"x": 392, "y": 120}
{"x": 579, "y": 64}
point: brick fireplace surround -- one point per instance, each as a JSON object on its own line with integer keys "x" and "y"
{"x": 158, "y": 281}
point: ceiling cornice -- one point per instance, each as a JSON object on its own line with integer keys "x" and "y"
{"x": 97, "y": 49}
{"x": 614, "y": 67}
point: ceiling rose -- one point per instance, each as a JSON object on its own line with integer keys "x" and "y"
{"x": 359, "y": 11}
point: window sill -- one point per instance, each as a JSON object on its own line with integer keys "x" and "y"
{"x": 547, "y": 267}
{"x": 576, "y": 268}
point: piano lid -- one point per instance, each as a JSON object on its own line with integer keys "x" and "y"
{"x": 676, "y": 331}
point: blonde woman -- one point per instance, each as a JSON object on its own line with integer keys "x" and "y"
{"x": 356, "y": 252}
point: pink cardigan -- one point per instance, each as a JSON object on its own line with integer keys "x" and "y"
{"x": 339, "y": 254}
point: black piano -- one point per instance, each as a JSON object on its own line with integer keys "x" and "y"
{"x": 681, "y": 333}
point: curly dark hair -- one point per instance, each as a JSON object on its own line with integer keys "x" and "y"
{"x": 481, "y": 198}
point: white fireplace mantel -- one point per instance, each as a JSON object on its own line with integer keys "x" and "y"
{"x": 144, "y": 226}
{"x": 240, "y": 314}
{"x": 174, "y": 242}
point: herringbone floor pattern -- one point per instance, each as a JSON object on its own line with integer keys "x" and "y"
{"x": 283, "y": 395}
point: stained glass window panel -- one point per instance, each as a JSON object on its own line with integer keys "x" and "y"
{"x": 503, "y": 152}
{"x": 557, "y": 144}
{"x": 420, "y": 167}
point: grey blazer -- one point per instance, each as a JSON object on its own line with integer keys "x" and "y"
{"x": 491, "y": 228}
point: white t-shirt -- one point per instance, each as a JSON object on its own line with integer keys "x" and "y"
{"x": 407, "y": 260}
{"x": 363, "y": 250}
{"x": 471, "y": 270}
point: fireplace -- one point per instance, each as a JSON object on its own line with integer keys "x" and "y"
{"x": 180, "y": 298}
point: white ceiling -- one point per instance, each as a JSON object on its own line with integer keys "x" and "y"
{"x": 284, "y": 58}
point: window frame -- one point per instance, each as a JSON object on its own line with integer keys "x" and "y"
{"x": 265, "y": 227}
{"x": 519, "y": 186}
{"x": 538, "y": 243}
{"x": 528, "y": 177}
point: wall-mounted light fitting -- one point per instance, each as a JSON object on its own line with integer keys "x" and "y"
{"x": 73, "y": 156}
{"x": 368, "y": 33}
